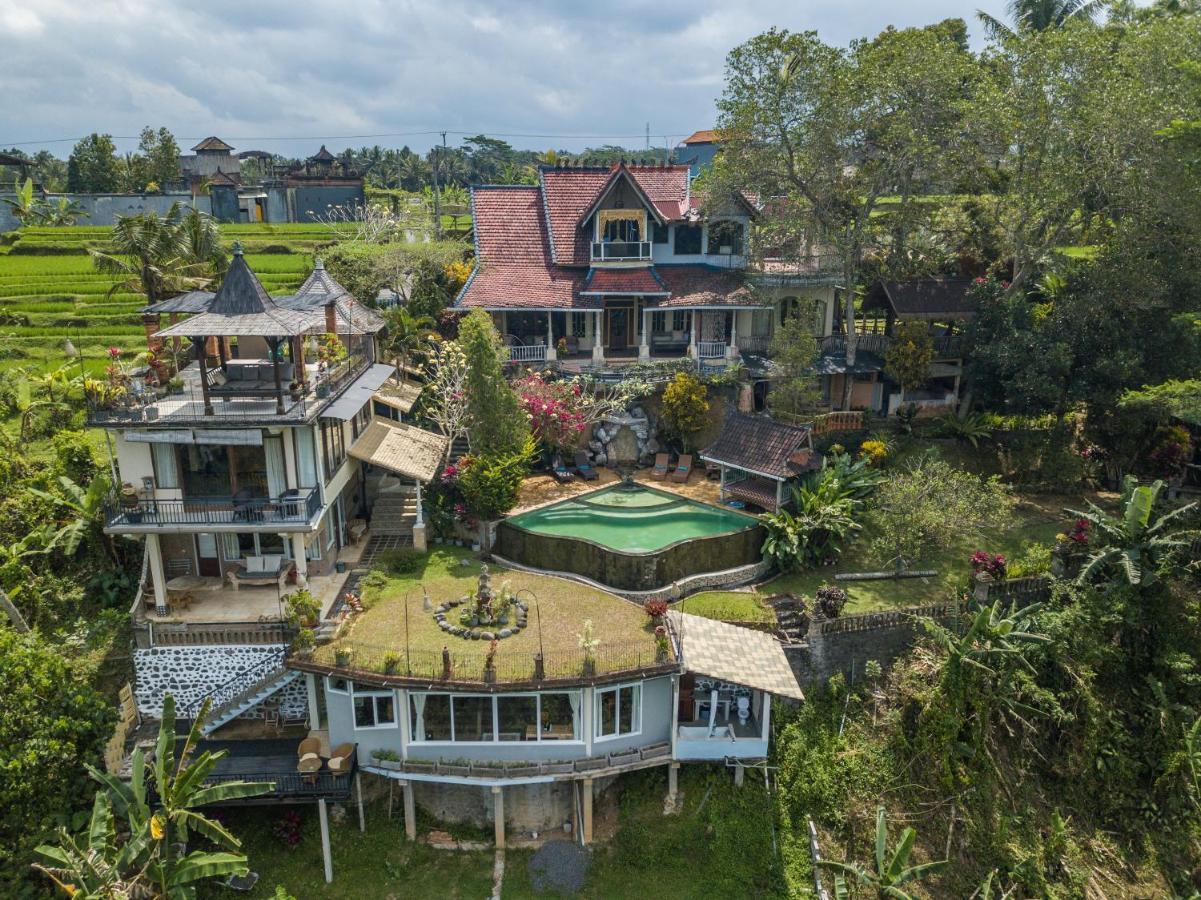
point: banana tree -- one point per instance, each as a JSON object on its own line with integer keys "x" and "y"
{"x": 158, "y": 820}
{"x": 1137, "y": 543}
{"x": 83, "y": 514}
{"x": 892, "y": 869}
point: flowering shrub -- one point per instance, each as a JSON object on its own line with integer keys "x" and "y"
{"x": 555, "y": 410}
{"x": 991, "y": 564}
{"x": 830, "y": 601}
{"x": 875, "y": 452}
{"x": 655, "y": 608}
{"x": 1077, "y": 536}
{"x": 1170, "y": 450}
{"x": 287, "y": 829}
{"x": 662, "y": 642}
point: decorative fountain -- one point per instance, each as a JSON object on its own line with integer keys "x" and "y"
{"x": 486, "y": 614}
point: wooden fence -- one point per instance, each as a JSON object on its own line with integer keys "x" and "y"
{"x": 127, "y": 719}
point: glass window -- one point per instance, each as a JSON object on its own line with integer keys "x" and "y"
{"x": 579, "y": 325}
{"x": 560, "y": 715}
{"x": 338, "y": 685}
{"x": 306, "y": 461}
{"x": 166, "y": 470}
{"x": 725, "y": 234}
{"x": 373, "y": 708}
{"x": 618, "y": 711}
{"x": 658, "y": 322}
{"x": 688, "y": 239}
{"x": 332, "y": 446}
{"x": 431, "y": 717}
{"x": 517, "y": 718}
{"x": 679, "y": 320}
{"x": 473, "y": 718}
{"x": 658, "y": 233}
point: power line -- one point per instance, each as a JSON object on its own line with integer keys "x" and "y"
{"x": 365, "y": 137}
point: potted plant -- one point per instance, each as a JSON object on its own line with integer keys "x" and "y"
{"x": 561, "y": 346}
{"x": 490, "y": 662}
{"x": 342, "y": 657}
{"x": 175, "y": 385}
{"x": 301, "y": 609}
{"x": 588, "y": 643}
{"x": 296, "y": 390}
{"x": 391, "y": 662}
{"x": 656, "y": 608}
{"x": 662, "y": 643}
{"x": 387, "y": 759}
{"x": 304, "y": 642}
{"x": 131, "y": 503}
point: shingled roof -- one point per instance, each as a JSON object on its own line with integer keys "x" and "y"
{"x": 705, "y": 286}
{"x": 761, "y": 446}
{"x": 923, "y": 298}
{"x": 642, "y": 280}
{"x": 212, "y": 143}
{"x": 321, "y": 288}
{"x": 405, "y": 449}
{"x": 733, "y": 653}
{"x": 704, "y": 136}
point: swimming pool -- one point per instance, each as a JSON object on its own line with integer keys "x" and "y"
{"x": 632, "y": 537}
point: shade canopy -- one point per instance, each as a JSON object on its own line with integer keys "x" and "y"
{"x": 399, "y": 395}
{"x": 359, "y": 394}
{"x": 403, "y": 449}
{"x": 731, "y": 653}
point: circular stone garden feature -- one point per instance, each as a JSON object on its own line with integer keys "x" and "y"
{"x": 485, "y": 615}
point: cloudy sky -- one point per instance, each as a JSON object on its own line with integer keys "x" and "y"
{"x": 287, "y": 75}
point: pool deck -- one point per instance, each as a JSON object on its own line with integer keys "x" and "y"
{"x": 542, "y": 490}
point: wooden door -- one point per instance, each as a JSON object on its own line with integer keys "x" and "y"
{"x": 619, "y": 327}
{"x": 687, "y": 689}
{"x": 207, "y": 562}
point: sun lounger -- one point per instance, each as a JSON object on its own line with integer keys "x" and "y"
{"x": 683, "y": 469}
{"x": 562, "y": 474}
{"x": 659, "y": 472}
{"x": 585, "y": 469}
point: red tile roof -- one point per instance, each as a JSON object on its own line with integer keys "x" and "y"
{"x": 567, "y": 193}
{"x": 703, "y": 286}
{"x": 704, "y": 136}
{"x": 641, "y": 280}
{"x": 513, "y": 266}
{"x": 667, "y": 187}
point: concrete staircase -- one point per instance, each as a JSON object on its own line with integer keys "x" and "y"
{"x": 394, "y": 514}
{"x": 458, "y": 447}
{"x": 249, "y": 697}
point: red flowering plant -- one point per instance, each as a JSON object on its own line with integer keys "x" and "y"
{"x": 991, "y": 564}
{"x": 555, "y": 410}
{"x": 656, "y": 608}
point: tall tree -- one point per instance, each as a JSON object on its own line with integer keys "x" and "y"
{"x": 1038, "y": 15}
{"x": 92, "y": 167}
{"x": 832, "y": 132}
{"x": 496, "y": 425}
{"x": 160, "y": 152}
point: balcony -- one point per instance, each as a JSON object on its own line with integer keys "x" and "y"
{"x": 620, "y": 251}
{"x": 295, "y": 508}
{"x": 245, "y": 402}
{"x": 946, "y": 346}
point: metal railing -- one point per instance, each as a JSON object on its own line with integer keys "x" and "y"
{"x": 293, "y": 507}
{"x": 711, "y": 349}
{"x": 468, "y": 663}
{"x": 615, "y": 250}
{"x": 527, "y": 354}
{"x": 755, "y": 343}
{"x": 234, "y": 685}
{"x": 945, "y": 345}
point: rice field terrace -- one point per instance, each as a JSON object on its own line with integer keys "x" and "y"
{"x": 49, "y": 290}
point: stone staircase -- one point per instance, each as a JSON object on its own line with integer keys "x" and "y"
{"x": 249, "y": 697}
{"x": 458, "y": 447}
{"x": 393, "y": 514}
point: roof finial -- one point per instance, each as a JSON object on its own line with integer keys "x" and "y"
{"x": 318, "y": 264}
{"x": 237, "y": 248}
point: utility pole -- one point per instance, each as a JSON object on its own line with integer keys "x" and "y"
{"x": 648, "y": 137}
{"x": 437, "y": 197}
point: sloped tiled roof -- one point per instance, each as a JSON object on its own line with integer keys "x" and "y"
{"x": 566, "y": 193}
{"x": 513, "y": 264}
{"x": 641, "y": 280}
{"x": 735, "y": 654}
{"x": 667, "y": 187}
{"x": 759, "y": 445}
{"x": 705, "y": 286}
{"x": 212, "y": 143}
{"x": 322, "y": 155}
{"x": 704, "y": 136}
{"x": 321, "y": 288}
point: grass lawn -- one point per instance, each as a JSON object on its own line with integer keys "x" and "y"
{"x": 728, "y": 606}
{"x": 1036, "y": 520}
{"x": 623, "y": 629}
{"x": 719, "y": 846}
{"x": 379, "y": 863}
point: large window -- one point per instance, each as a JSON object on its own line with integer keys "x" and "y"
{"x": 373, "y": 707}
{"x": 725, "y": 235}
{"x": 333, "y": 446}
{"x": 488, "y": 718}
{"x": 688, "y": 239}
{"x": 306, "y": 459}
{"x": 166, "y": 466}
{"x": 618, "y": 711}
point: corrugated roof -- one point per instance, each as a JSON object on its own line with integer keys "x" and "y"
{"x": 403, "y": 449}
{"x": 759, "y": 445}
{"x": 731, "y": 653}
{"x": 359, "y": 394}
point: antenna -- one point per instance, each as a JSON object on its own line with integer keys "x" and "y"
{"x": 648, "y": 136}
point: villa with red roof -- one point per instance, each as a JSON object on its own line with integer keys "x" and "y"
{"x": 605, "y": 264}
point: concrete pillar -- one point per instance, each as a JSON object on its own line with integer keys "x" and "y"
{"x": 358, "y": 795}
{"x": 291, "y": 479}
{"x": 298, "y": 558}
{"x": 598, "y": 338}
{"x": 410, "y": 811}
{"x": 765, "y": 714}
{"x": 586, "y": 831}
{"x": 693, "y": 325}
{"x": 498, "y": 816}
{"x": 551, "y": 353}
{"x": 310, "y": 683}
{"x": 420, "y": 541}
{"x": 732, "y": 346}
{"x": 739, "y": 774}
{"x": 644, "y": 348}
{"x": 673, "y": 781}
{"x": 326, "y": 858}
{"x": 157, "y": 577}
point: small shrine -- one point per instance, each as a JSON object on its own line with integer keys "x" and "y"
{"x": 487, "y": 614}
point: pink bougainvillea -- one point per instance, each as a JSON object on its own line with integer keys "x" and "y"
{"x": 991, "y": 564}
{"x": 555, "y": 410}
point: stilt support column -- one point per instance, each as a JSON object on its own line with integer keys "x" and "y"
{"x": 323, "y": 815}
{"x": 587, "y": 823}
{"x": 498, "y": 816}
{"x": 410, "y": 810}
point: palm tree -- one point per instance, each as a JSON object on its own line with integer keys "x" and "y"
{"x": 150, "y": 861}
{"x": 1134, "y": 543}
{"x": 407, "y": 335}
{"x": 892, "y": 869}
{"x": 1038, "y": 15}
{"x": 160, "y": 256}
{"x": 83, "y": 512}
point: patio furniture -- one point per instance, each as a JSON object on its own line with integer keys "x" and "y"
{"x": 309, "y": 745}
{"x": 247, "y": 507}
{"x": 309, "y": 764}
{"x": 683, "y": 469}
{"x": 260, "y": 570}
{"x": 340, "y": 758}
{"x": 659, "y": 472}
{"x": 585, "y": 469}
{"x": 562, "y": 474}
{"x": 356, "y": 530}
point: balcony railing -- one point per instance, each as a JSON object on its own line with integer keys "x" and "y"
{"x": 534, "y": 353}
{"x": 139, "y": 406}
{"x": 604, "y": 251}
{"x": 946, "y": 346}
{"x": 292, "y": 508}
{"x": 711, "y": 349}
{"x": 755, "y": 343}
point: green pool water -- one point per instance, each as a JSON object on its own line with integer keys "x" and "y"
{"x": 632, "y": 520}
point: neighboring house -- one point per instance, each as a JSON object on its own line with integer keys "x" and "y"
{"x": 697, "y": 150}
{"x": 621, "y": 263}
{"x": 245, "y": 481}
{"x": 210, "y": 156}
